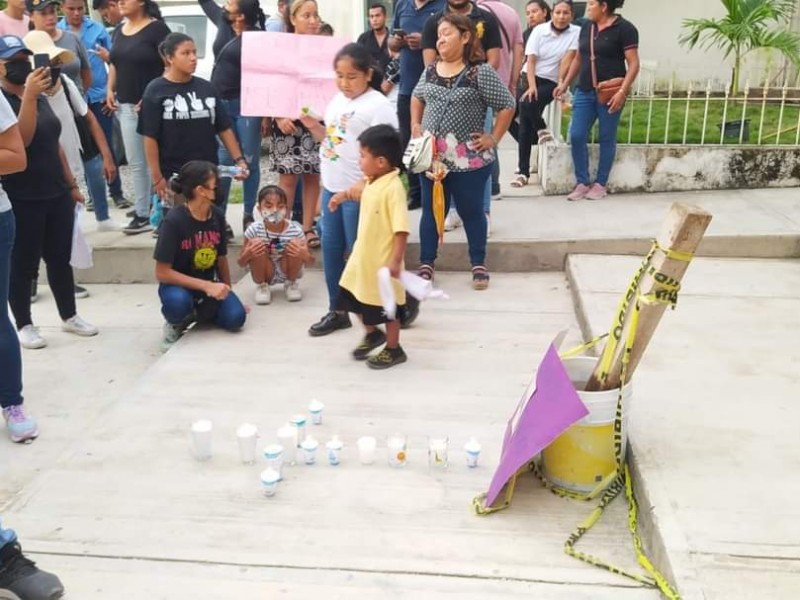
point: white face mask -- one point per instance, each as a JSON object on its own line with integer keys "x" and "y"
{"x": 274, "y": 217}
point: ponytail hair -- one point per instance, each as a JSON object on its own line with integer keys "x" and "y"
{"x": 254, "y": 17}
{"x": 150, "y": 8}
{"x": 473, "y": 50}
{"x": 194, "y": 173}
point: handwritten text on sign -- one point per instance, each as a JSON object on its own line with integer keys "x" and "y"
{"x": 283, "y": 73}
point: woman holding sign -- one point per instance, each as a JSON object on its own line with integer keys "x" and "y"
{"x": 295, "y": 154}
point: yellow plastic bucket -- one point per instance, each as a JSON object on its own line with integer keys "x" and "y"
{"x": 583, "y": 456}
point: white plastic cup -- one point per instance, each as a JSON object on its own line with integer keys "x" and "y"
{"x": 273, "y": 454}
{"x": 315, "y": 408}
{"x": 397, "y": 446}
{"x": 269, "y": 481}
{"x": 247, "y": 436}
{"x": 473, "y": 451}
{"x": 299, "y": 423}
{"x": 366, "y": 449}
{"x": 287, "y": 437}
{"x": 437, "y": 452}
{"x": 309, "y": 447}
{"x": 334, "y": 448}
{"x": 201, "y": 439}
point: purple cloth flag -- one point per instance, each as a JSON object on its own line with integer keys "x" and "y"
{"x": 544, "y": 413}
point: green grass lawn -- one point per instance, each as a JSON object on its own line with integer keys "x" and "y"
{"x": 636, "y": 113}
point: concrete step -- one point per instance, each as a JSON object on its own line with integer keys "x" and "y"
{"x": 536, "y": 233}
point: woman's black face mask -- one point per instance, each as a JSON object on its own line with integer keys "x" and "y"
{"x": 17, "y": 71}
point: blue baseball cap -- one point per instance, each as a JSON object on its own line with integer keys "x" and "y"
{"x": 11, "y": 45}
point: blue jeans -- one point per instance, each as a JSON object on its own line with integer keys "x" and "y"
{"x": 134, "y": 150}
{"x": 96, "y": 183}
{"x": 585, "y": 111}
{"x": 466, "y": 189}
{"x": 107, "y": 125}
{"x": 339, "y": 231}
{"x": 7, "y": 536}
{"x": 248, "y": 132}
{"x": 179, "y": 304}
{"x": 10, "y": 359}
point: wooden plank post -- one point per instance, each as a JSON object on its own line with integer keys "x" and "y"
{"x": 681, "y": 233}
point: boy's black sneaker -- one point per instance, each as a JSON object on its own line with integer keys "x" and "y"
{"x": 412, "y": 312}
{"x": 333, "y": 321}
{"x": 21, "y": 576}
{"x": 229, "y": 236}
{"x": 138, "y": 225}
{"x": 387, "y": 358}
{"x": 371, "y": 341}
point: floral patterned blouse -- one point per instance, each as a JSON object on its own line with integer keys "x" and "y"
{"x": 452, "y": 119}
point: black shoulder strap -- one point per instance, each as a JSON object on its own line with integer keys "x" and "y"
{"x": 68, "y": 95}
{"x": 506, "y": 37}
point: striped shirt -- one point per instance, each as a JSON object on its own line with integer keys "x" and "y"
{"x": 276, "y": 241}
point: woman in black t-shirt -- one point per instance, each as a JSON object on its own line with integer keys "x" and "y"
{"x": 43, "y": 197}
{"x": 192, "y": 258}
{"x": 181, "y": 117}
{"x": 135, "y": 62}
{"x": 243, "y": 15}
{"x": 616, "y": 42}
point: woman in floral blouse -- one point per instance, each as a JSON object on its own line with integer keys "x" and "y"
{"x": 450, "y": 101}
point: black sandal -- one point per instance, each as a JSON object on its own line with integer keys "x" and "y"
{"x": 480, "y": 278}
{"x": 426, "y": 271}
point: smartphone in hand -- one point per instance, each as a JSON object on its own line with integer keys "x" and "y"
{"x": 43, "y": 61}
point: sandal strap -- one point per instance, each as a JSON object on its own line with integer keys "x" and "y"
{"x": 425, "y": 271}
{"x": 480, "y": 272}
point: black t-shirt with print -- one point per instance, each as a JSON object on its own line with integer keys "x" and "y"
{"x": 190, "y": 246}
{"x": 137, "y": 60}
{"x": 43, "y": 179}
{"x": 610, "y": 45}
{"x": 485, "y": 22}
{"x": 185, "y": 118}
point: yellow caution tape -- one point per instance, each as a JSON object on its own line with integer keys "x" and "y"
{"x": 665, "y": 292}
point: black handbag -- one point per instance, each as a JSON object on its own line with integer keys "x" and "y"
{"x": 89, "y": 148}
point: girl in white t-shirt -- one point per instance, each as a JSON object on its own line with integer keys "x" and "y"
{"x": 355, "y": 108}
{"x": 550, "y": 48}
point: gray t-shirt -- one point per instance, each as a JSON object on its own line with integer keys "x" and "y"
{"x": 70, "y": 41}
{"x": 7, "y": 119}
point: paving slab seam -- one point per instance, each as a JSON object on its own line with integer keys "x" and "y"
{"x": 662, "y": 536}
{"x": 289, "y": 567}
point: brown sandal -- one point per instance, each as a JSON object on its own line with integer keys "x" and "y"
{"x": 312, "y": 239}
{"x": 480, "y": 278}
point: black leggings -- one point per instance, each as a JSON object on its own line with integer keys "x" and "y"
{"x": 531, "y": 122}
{"x": 44, "y": 231}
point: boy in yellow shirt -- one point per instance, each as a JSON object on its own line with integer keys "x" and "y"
{"x": 381, "y": 242}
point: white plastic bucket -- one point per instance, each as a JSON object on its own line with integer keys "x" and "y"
{"x": 583, "y": 456}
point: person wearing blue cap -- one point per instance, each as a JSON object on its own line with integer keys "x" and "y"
{"x": 42, "y": 196}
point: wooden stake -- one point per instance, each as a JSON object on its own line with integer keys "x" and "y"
{"x": 682, "y": 231}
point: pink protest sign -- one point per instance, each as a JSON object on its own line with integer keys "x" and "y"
{"x": 283, "y": 73}
{"x": 543, "y": 414}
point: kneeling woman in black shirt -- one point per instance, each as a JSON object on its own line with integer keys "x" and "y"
{"x": 192, "y": 258}
{"x": 43, "y": 197}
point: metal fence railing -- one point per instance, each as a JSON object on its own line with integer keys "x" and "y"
{"x": 708, "y": 115}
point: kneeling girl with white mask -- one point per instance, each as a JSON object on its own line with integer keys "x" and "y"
{"x": 275, "y": 247}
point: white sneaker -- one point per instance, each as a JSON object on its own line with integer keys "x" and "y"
{"x": 171, "y": 334}
{"x": 263, "y": 294}
{"x": 488, "y": 226}
{"x": 29, "y": 338}
{"x": 80, "y": 327}
{"x": 452, "y": 220}
{"x": 293, "y": 293}
{"x": 108, "y": 225}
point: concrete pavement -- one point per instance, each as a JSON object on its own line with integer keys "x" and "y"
{"x": 110, "y": 498}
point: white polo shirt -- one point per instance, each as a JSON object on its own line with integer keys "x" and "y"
{"x": 7, "y": 120}
{"x": 549, "y": 48}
